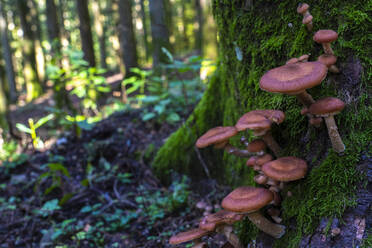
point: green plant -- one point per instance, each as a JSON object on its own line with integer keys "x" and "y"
{"x": 31, "y": 130}
{"x": 56, "y": 172}
{"x": 48, "y": 208}
{"x": 87, "y": 83}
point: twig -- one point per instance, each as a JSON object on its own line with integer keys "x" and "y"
{"x": 120, "y": 198}
{"x": 202, "y": 162}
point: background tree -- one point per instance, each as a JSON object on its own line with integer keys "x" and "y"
{"x": 53, "y": 27}
{"x": 33, "y": 86}
{"x": 159, "y": 31}
{"x": 7, "y": 54}
{"x": 199, "y": 27}
{"x": 85, "y": 31}
{"x": 252, "y": 42}
{"x": 145, "y": 30}
{"x": 99, "y": 20}
{"x": 126, "y": 36}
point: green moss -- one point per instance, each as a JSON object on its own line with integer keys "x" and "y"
{"x": 268, "y": 34}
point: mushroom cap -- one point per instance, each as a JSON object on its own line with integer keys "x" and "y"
{"x": 188, "y": 236}
{"x": 327, "y": 106}
{"x": 252, "y": 161}
{"x": 264, "y": 159}
{"x": 292, "y": 61}
{"x": 259, "y": 119}
{"x": 304, "y": 58}
{"x": 325, "y": 36}
{"x": 293, "y": 78}
{"x": 307, "y": 19}
{"x": 247, "y": 199}
{"x": 285, "y": 169}
{"x": 302, "y": 8}
{"x": 222, "y": 217}
{"x": 215, "y": 136}
{"x": 315, "y": 121}
{"x": 327, "y": 59}
{"x": 256, "y": 145}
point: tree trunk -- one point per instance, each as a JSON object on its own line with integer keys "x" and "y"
{"x": 99, "y": 19}
{"x": 199, "y": 27}
{"x": 255, "y": 36}
{"x": 30, "y": 65}
{"x": 145, "y": 31}
{"x": 7, "y": 54}
{"x": 126, "y": 36}
{"x": 159, "y": 31}
{"x": 53, "y": 28}
{"x": 39, "y": 37}
{"x": 85, "y": 31}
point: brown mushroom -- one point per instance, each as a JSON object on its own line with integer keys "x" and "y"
{"x": 325, "y": 37}
{"x": 260, "y": 122}
{"x": 294, "y": 79}
{"x": 303, "y": 58}
{"x": 219, "y": 137}
{"x": 248, "y": 201}
{"x": 221, "y": 222}
{"x": 192, "y": 235}
{"x": 284, "y": 169}
{"x": 257, "y": 146}
{"x": 292, "y": 61}
{"x": 329, "y": 60}
{"x": 303, "y": 8}
{"x": 327, "y": 108}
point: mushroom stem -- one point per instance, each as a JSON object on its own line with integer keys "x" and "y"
{"x": 305, "y": 98}
{"x": 336, "y": 140}
{"x": 272, "y": 144}
{"x": 227, "y": 230}
{"x": 327, "y": 48}
{"x": 199, "y": 244}
{"x": 237, "y": 152}
{"x": 274, "y": 230}
{"x": 334, "y": 69}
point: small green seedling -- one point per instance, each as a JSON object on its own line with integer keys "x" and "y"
{"x": 31, "y": 130}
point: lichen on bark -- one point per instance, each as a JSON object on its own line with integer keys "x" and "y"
{"x": 267, "y": 34}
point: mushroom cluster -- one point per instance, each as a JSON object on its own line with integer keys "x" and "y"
{"x": 273, "y": 169}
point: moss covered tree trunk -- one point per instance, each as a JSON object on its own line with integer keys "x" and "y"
{"x": 255, "y": 36}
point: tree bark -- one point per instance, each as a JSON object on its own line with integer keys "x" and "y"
{"x": 126, "y": 35}
{"x": 53, "y": 28}
{"x": 199, "y": 27}
{"x": 30, "y": 63}
{"x": 7, "y": 54}
{"x": 254, "y": 37}
{"x": 85, "y": 31}
{"x": 145, "y": 31}
{"x": 99, "y": 20}
{"x": 159, "y": 31}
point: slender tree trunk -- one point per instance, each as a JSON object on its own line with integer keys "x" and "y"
{"x": 85, "y": 31}
{"x": 199, "y": 27}
{"x": 33, "y": 86}
{"x": 3, "y": 105}
{"x": 184, "y": 24}
{"x": 145, "y": 31}
{"x": 126, "y": 36}
{"x": 99, "y": 19}
{"x": 53, "y": 28}
{"x": 39, "y": 37}
{"x": 159, "y": 31}
{"x": 61, "y": 9}
{"x": 7, "y": 54}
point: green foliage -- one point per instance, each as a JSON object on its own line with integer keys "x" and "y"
{"x": 31, "y": 130}
{"x": 85, "y": 82}
{"x": 48, "y": 208}
{"x": 166, "y": 97}
{"x": 157, "y": 204}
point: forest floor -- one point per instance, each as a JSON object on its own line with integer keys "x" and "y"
{"x": 98, "y": 190}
